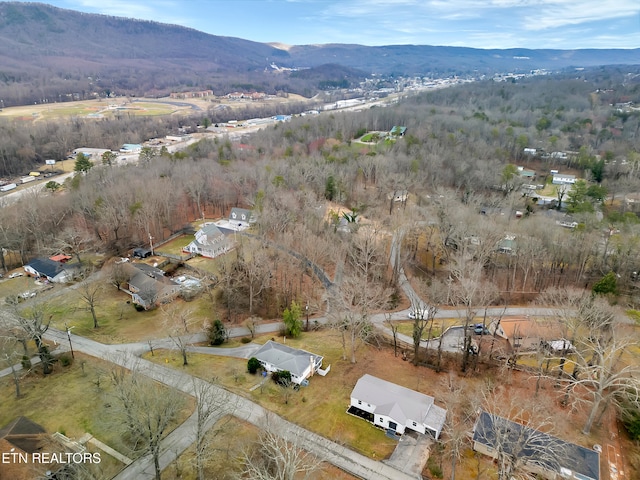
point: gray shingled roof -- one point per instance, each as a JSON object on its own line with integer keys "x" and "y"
{"x": 287, "y": 358}
{"x": 398, "y": 402}
{"x": 534, "y": 445}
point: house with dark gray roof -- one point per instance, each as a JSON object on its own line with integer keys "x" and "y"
{"x": 148, "y": 286}
{"x": 276, "y": 357}
{"x": 396, "y": 408}
{"x": 20, "y": 441}
{"x": 537, "y": 452}
{"x": 52, "y": 270}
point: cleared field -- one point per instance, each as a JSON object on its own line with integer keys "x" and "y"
{"x": 226, "y": 458}
{"x": 90, "y": 107}
{"x": 174, "y": 247}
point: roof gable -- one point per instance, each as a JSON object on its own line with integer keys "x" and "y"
{"x": 389, "y": 397}
{"x": 287, "y": 358}
{"x": 46, "y": 267}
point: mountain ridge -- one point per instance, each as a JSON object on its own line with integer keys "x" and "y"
{"x": 47, "y": 52}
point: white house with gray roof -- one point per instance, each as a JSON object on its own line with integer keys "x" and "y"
{"x": 241, "y": 218}
{"x": 210, "y": 242}
{"x": 563, "y": 179}
{"x": 396, "y": 408}
{"x": 276, "y": 357}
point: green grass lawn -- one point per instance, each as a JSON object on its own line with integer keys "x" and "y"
{"x": 406, "y": 327}
{"x": 174, "y": 247}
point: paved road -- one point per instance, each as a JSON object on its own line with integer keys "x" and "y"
{"x": 184, "y": 435}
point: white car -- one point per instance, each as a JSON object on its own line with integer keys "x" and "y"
{"x": 421, "y": 312}
{"x": 26, "y": 295}
{"x": 16, "y": 275}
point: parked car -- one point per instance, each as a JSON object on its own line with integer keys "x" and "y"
{"x": 141, "y": 253}
{"x": 420, "y": 312}
{"x": 480, "y": 329}
{"x": 26, "y": 295}
{"x": 16, "y": 275}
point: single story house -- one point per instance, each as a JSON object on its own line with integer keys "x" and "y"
{"x": 241, "y": 217}
{"x": 563, "y": 179}
{"x": 276, "y": 357}
{"x": 398, "y": 195}
{"x": 525, "y": 173}
{"x": 526, "y": 334}
{"x": 148, "y": 286}
{"x": 540, "y": 453}
{"x": 396, "y": 408}
{"x": 210, "y": 242}
{"x": 53, "y": 271}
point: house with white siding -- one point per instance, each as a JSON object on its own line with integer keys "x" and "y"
{"x": 209, "y": 242}
{"x": 396, "y": 408}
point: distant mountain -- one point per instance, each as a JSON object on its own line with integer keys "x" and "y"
{"x": 52, "y": 54}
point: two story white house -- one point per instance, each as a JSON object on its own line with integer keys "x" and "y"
{"x": 209, "y": 242}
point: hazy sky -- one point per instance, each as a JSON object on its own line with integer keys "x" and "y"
{"x": 564, "y": 24}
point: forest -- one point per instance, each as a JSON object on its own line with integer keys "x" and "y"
{"x": 455, "y": 160}
{"x": 445, "y": 199}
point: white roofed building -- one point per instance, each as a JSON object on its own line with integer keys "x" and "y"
{"x": 396, "y": 408}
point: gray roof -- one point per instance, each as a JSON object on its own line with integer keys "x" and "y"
{"x": 398, "y": 402}
{"x": 210, "y": 232}
{"x": 287, "y": 358}
{"x": 534, "y": 446}
{"x": 240, "y": 215}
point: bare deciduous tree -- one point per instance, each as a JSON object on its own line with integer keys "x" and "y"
{"x": 142, "y": 415}
{"x": 276, "y": 457}
{"x": 213, "y": 404}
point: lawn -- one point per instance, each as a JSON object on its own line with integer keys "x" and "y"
{"x": 328, "y": 394}
{"x": 73, "y": 400}
{"x": 174, "y": 247}
{"x": 406, "y": 327}
{"x": 119, "y": 321}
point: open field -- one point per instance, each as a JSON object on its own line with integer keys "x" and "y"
{"x": 174, "y": 247}
{"x": 227, "y": 451}
{"x": 150, "y": 107}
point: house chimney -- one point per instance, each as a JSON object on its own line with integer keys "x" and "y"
{"x": 311, "y": 363}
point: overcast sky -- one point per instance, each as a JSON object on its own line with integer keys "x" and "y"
{"x": 564, "y": 24}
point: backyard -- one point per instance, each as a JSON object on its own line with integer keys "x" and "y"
{"x": 73, "y": 400}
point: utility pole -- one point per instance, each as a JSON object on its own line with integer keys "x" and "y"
{"x": 306, "y": 309}
{"x": 69, "y": 337}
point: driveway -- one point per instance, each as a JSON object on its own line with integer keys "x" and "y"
{"x": 184, "y": 435}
